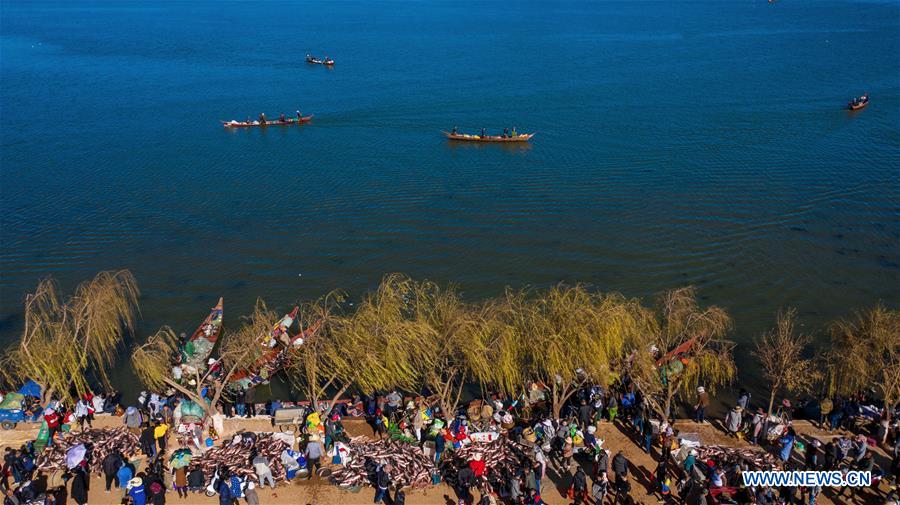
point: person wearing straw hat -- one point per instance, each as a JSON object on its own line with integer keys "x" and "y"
{"x": 314, "y": 453}
{"x": 733, "y": 420}
{"x": 136, "y": 491}
{"x": 250, "y": 494}
{"x": 702, "y": 403}
{"x": 756, "y": 424}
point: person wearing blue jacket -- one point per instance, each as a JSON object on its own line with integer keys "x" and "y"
{"x": 224, "y": 490}
{"x": 124, "y": 476}
{"x": 787, "y": 443}
{"x": 136, "y": 491}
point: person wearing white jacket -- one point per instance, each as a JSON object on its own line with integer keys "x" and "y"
{"x": 83, "y": 414}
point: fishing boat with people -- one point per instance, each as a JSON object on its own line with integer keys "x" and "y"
{"x": 328, "y": 62}
{"x": 282, "y": 121}
{"x": 274, "y": 342}
{"x": 507, "y": 136}
{"x": 199, "y": 346}
{"x": 859, "y": 102}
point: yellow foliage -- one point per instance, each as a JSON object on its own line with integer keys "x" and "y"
{"x": 65, "y": 340}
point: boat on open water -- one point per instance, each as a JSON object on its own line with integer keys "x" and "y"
{"x": 858, "y": 103}
{"x": 523, "y": 137}
{"x": 328, "y": 62}
{"x": 277, "y": 122}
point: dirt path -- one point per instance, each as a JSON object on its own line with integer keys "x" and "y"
{"x": 316, "y": 492}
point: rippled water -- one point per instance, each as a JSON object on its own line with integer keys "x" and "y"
{"x": 677, "y": 142}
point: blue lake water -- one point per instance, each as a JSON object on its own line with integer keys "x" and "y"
{"x": 701, "y": 142}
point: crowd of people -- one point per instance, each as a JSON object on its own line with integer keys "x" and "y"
{"x": 567, "y": 448}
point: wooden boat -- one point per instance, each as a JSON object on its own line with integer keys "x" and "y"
{"x": 274, "y": 344}
{"x": 251, "y": 124}
{"x": 200, "y": 345}
{"x": 858, "y": 103}
{"x": 277, "y": 358}
{"x": 525, "y": 137}
{"x": 327, "y": 62}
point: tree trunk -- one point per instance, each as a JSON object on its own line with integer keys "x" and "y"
{"x": 555, "y": 404}
{"x": 47, "y": 395}
{"x": 337, "y": 396}
{"x": 667, "y": 414}
{"x": 771, "y": 403}
{"x": 669, "y": 396}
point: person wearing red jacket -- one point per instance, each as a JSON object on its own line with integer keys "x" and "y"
{"x": 52, "y": 419}
{"x": 477, "y": 465}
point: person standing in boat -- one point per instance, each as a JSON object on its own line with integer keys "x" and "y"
{"x": 505, "y": 132}
{"x": 514, "y": 132}
{"x": 455, "y": 129}
{"x": 299, "y": 116}
{"x": 262, "y": 118}
{"x": 282, "y": 118}
{"x": 482, "y": 133}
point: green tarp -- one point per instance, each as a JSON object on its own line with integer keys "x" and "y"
{"x": 12, "y": 401}
{"x": 191, "y": 409}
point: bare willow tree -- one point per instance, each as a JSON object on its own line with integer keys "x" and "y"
{"x": 67, "y": 342}
{"x": 571, "y": 337}
{"x": 865, "y": 353}
{"x": 688, "y": 350}
{"x": 238, "y": 350}
{"x": 781, "y": 351}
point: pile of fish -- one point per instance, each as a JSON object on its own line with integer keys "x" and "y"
{"x": 754, "y": 457}
{"x": 410, "y": 466}
{"x": 237, "y": 455}
{"x": 99, "y": 442}
{"x": 502, "y": 458}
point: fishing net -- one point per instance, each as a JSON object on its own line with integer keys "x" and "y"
{"x": 196, "y": 351}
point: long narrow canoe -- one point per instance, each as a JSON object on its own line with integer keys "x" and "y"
{"x": 273, "y": 342}
{"x": 201, "y": 343}
{"x": 312, "y": 59}
{"x": 275, "y": 359}
{"x": 525, "y": 137}
{"x": 251, "y": 124}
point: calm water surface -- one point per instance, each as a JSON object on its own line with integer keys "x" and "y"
{"x": 678, "y": 142}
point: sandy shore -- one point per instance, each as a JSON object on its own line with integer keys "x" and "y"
{"x": 318, "y": 492}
